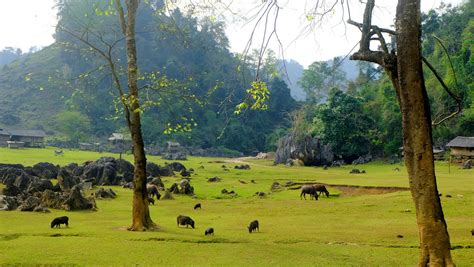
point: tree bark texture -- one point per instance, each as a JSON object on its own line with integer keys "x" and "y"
{"x": 141, "y": 219}
{"x": 405, "y": 71}
{"x": 417, "y": 138}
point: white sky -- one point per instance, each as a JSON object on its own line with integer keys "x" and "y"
{"x": 27, "y": 23}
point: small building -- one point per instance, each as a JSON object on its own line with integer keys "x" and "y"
{"x": 120, "y": 142}
{"x": 462, "y": 146}
{"x": 15, "y": 144}
{"x": 29, "y": 138}
{"x": 173, "y": 147}
{"x": 4, "y": 137}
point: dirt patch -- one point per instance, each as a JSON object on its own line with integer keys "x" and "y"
{"x": 60, "y": 235}
{"x": 8, "y": 237}
{"x": 354, "y": 190}
{"x": 196, "y": 241}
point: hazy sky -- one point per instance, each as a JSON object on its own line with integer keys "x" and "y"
{"x": 26, "y": 23}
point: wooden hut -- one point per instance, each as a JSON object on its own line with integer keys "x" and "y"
{"x": 29, "y": 138}
{"x": 4, "y": 137}
{"x": 462, "y": 146}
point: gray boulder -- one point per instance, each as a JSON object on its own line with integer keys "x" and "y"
{"x": 186, "y": 188}
{"x": 467, "y": 164}
{"x": 8, "y": 203}
{"x": 76, "y": 201}
{"x": 157, "y": 181}
{"x": 214, "y": 179}
{"x": 174, "y": 156}
{"x": 52, "y": 199}
{"x": 39, "y": 185}
{"x": 105, "y": 193}
{"x": 29, "y": 204}
{"x": 45, "y": 170}
{"x": 310, "y": 150}
{"x": 66, "y": 180}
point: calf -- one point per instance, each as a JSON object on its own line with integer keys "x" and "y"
{"x": 197, "y": 206}
{"x": 60, "y": 220}
{"x": 209, "y": 231}
{"x": 253, "y": 226}
{"x": 151, "y": 200}
{"x": 185, "y": 220}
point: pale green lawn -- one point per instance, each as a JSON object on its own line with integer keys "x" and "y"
{"x": 339, "y": 231}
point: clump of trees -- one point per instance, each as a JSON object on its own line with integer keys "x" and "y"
{"x": 362, "y": 116}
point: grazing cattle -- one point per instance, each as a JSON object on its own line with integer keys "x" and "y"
{"x": 185, "y": 220}
{"x": 321, "y": 189}
{"x": 197, "y": 206}
{"x": 151, "y": 200}
{"x": 153, "y": 191}
{"x": 209, "y": 231}
{"x": 60, "y": 220}
{"x": 308, "y": 189}
{"x": 253, "y": 226}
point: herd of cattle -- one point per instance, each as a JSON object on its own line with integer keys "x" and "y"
{"x": 314, "y": 190}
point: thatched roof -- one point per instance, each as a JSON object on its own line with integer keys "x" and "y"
{"x": 28, "y": 133}
{"x": 461, "y": 141}
{"x": 4, "y": 132}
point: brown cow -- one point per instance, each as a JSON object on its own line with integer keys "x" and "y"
{"x": 309, "y": 189}
{"x": 320, "y": 188}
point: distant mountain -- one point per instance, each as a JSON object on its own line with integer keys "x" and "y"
{"x": 350, "y": 67}
{"x": 291, "y": 72}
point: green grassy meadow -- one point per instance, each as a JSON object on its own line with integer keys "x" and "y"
{"x": 342, "y": 230}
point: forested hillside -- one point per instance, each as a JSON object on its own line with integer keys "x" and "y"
{"x": 362, "y": 117}
{"x": 196, "y": 82}
{"x": 191, "y": 84}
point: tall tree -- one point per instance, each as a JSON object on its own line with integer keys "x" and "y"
{"x": 404, "y": 66}
{"x": 128, "y": 95}
{"x": 319, "y": 78}
{"x": 141, "y": 219}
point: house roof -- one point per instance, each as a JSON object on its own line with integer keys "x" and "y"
{"x": 30, "y": 133}
{"x": 461, "y": 141}
{"x": 119, "y": 136}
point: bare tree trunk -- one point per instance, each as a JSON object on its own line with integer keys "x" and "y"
{"x": 417, "y": 138}
{"x": 141, "y": 219}
{"x": 405, "y": 71}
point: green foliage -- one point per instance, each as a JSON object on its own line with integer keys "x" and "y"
{"x": 257, "y": 95}
{"x": 319, "y": 78}
{"x": 346, "y": 127}
{"x": 73, "y": 125}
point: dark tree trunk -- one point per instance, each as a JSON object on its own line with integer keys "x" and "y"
{"x": 405, "y": 71}
{"x": 417, "y": 138}
{"x": 141, "y": 219}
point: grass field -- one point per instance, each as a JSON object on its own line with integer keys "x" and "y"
{"x": 342, "y": 230}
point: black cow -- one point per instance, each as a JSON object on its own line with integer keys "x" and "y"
{"x": 60, "y": 220}
{"x": 309, "y": 189}
{"x": 197, "y": 206}
{"x": 209, "y": 231}
{"x": 185, "y": 220}
{"x": 253, "y": 226}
